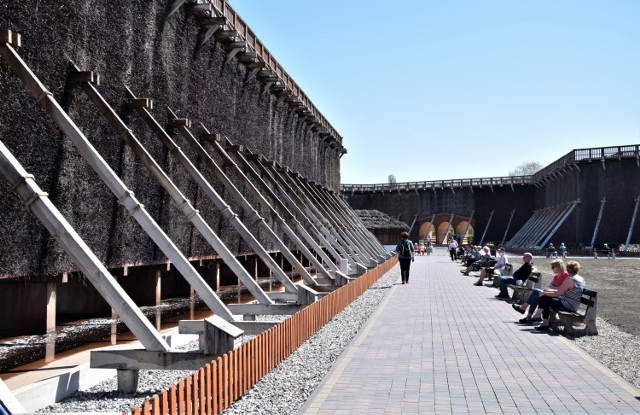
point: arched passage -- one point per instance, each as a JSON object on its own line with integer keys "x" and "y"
{"x": 442, "y": 231}
{"x": 423, "y": 230}
{"x": 463, "y": 226}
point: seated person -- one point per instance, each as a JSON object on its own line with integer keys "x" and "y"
{"x": 503, "y": 260}
{"x": 461, "y": 252}
{"x": 560, "y": 274}
{"x": 485, "y": 257}
{"x": 472, "y": 255}
{"x": 521, "y": 274}
{"x": 565, "y": 297}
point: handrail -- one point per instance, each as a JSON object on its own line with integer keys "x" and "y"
{"x": 438, "y": 184}
{"x": 236, "y": 22}
{"x": 583, "y": 155}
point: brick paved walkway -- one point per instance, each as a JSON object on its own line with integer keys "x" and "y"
{"x": 440, "y": 345}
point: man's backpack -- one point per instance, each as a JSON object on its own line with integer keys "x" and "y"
{"x": 406, "y": 249}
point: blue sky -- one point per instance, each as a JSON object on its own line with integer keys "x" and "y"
{"x": 428, "y": 90}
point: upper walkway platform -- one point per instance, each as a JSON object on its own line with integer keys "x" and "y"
{"x": 569, "y": 161}
{"x": 441, "y": 345}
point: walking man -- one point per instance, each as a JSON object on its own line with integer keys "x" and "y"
{"x": 405, "y": 256}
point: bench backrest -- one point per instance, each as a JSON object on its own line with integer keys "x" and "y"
{"x": 508, "y": 270}
{"x": 588, "y": 302}
{"x": 589, "y": 297}
{"x": 535, "y": 279}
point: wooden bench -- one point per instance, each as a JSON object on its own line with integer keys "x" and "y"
{"x": 521, "y": 292}
{"x": 586, "y": 315}
{"x": 506, "y": 271}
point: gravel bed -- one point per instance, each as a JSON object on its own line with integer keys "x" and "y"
{"x": 289, "y": 385}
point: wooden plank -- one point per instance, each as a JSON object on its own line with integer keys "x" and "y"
{"x": 182, "y": 398}
{"x": 215, "y": 387}
{"x": 195, "y": 393}
{"x": 173, "y": 400}
{"x": 188, "y": 407}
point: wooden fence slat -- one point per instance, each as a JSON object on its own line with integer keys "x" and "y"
{"x": 173, "y": 400}
{"x": 146, "y": 407}
{"x": 215, "y": 388}
{"x": 232, "y": 376}
{"x": 155, "y": 404}
{"x": 164, "y": 402}
{"x": 188, "y": 408}
{"x": 244, "y": 365}
{"x": 182, "y": 399}
{"x": 195, "y": 394}
{"x": 208, "y": 388}
{"x": 201, "y": 389}
{"x": 225, "y": 383}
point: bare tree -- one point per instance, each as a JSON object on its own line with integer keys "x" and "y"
{"x": 392, "y": 179}
{"x": 526, "y": 169}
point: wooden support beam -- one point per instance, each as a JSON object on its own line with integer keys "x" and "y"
{"x": 231, "y": 54}
{"x": 250, "y": 212}
{"x": 135, "y": 103}
{"x": 175, "y": 6}
{"x": 211, "y": 20}
{"x": 201, "y": 9}
{"x": 11, "y": 38}
{"x": 238, "y": 44}
{"x": 247, "y": 56}
{"x": 85, "y": 76}
{"x": 50, "y": 217}
{"x": 179, "y": 122}
{"x": 210, "y": 32}
{"x": 227, "y": 35}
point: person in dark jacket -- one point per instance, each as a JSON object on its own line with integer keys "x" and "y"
{"x": 405, "y": 256}
{"x": 521, "y": 274}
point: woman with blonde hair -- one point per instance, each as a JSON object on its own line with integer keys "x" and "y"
{"x": 565, "y": 297}
{"x": 560, "y": 275}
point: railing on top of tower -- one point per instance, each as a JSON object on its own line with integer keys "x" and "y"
{"x": 236, "y": 22}
{"x": 438, "y": 184}
{"x": 584, "y": 155}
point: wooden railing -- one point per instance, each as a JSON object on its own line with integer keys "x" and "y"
{"x": 235, "y": 22}
{"x": 216, "y": 386}
{"x": 584, "y": 155}
{"x": 437, "y": 184}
